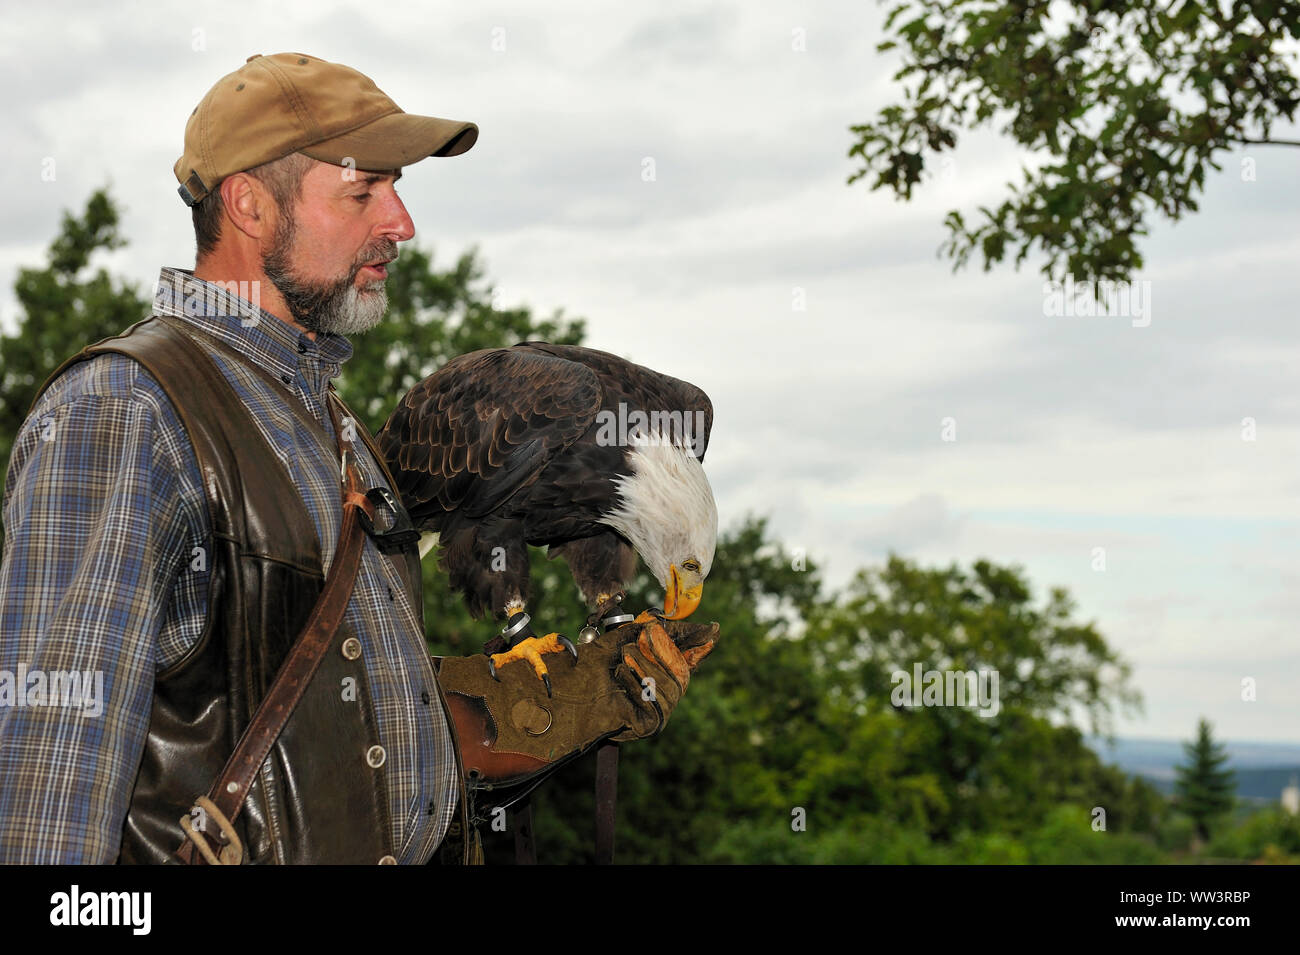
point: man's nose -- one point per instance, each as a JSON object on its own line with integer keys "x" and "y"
{"x": 397, "y": 223}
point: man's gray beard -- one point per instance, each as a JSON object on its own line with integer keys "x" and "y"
{"x": 338, "y": 307}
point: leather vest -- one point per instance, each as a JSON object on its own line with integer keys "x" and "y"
{"x": 315, "y": 799}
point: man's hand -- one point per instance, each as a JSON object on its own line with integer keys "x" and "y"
{"x": 624, "y": 685}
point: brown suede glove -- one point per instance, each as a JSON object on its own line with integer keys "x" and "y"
{"x": 624, "y": 685}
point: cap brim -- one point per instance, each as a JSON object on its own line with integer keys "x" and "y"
{"x": 396, "y": 140}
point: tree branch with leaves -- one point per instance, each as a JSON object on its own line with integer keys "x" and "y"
{"x": 1130, "y": 101}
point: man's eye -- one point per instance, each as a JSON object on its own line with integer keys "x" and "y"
{"x": 363, "y": 197}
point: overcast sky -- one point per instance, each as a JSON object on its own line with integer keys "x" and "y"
{"x": 1072, "y": 433}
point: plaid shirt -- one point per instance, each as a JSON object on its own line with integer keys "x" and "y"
{"x": 103, "y": 509}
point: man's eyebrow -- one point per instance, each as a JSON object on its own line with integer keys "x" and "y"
{"x": 374, "y": 177}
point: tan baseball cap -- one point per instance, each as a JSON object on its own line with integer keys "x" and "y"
{"x": 290, "y": 102}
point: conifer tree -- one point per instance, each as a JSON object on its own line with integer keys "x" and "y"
{"x": 1206, "y": 791}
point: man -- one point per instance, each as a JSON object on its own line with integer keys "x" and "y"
{"x": 173, "y": 503}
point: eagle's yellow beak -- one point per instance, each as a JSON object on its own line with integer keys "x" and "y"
{"x": 680, "y": 601}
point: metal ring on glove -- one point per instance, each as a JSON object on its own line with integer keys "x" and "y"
{"x": 550, "y": 719}
{"x": 617, "y": 620}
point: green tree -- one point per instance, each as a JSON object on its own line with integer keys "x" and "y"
{"x": 1127, "y": 102}
{"x": 64, "y": 305}
{"x": 953, "y": 767}
{"x": 793, "y": 711}
{"x": 1206, "y": 791}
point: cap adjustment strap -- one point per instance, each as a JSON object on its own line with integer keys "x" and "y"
{"x": 192, "y": 190}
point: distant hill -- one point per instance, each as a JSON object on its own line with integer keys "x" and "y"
{"x": 1262, "y": 769}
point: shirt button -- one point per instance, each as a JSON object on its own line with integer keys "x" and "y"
{"x": 432, "y": 807}
{"x": 425, "y": 697}
{"x": 390, "y": 594}
{"x": 287, "y": 379}
{"x": 375, "y": 756}
{"x": 388, "y": 860}
{"x": 351, "y": 648}
{"x": 302, "y": 350}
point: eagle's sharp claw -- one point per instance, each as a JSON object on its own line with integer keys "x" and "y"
{"x": 532, "y": 650}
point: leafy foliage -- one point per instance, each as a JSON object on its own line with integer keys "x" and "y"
{"x": 1270, "y": 835}
{"x": 1132, "y": 101}
{"x": 793, "y": 711}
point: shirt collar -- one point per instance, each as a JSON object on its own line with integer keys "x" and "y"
{"x": 230, "y": 312}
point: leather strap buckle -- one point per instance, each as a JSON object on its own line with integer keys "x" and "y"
{"x": 206, "y": 811}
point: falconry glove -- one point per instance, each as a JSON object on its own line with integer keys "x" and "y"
{"x": 623, "y": 685}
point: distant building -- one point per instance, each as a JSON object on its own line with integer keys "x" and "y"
{"x": 1291, "y": 797}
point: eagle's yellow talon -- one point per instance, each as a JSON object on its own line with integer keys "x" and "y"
{"x": 532, "y": 650}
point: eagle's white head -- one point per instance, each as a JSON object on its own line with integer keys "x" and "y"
{"x": 665, "y": 508}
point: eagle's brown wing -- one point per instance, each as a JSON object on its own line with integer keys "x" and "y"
{"x": 483, "y": 426}
{"x": 635, "y": 385}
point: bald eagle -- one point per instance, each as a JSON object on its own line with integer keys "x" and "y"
{"x": 594, "y": 457}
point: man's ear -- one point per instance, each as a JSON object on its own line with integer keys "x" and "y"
{"x": 250, "y": 208}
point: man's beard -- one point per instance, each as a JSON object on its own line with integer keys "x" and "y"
{"x": 339, "y": 306}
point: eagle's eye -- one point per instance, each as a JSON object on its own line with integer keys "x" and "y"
{"x": 692, "y": 565}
